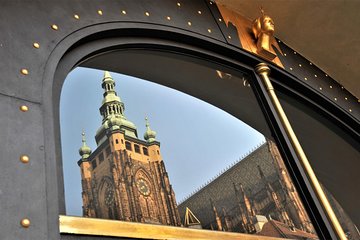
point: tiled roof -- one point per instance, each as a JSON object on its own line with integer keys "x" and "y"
{"x": 278, "y": 229}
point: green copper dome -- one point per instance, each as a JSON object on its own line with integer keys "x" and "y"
{"x": 149, "y": 135}
{"x": 84, "y": 150}
{"x": 112, "y": 110}
{"x": 118, "y": 121}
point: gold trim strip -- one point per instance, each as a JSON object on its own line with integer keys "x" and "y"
{"x": 102, "y": 227}
{"x": 263, "y": 70}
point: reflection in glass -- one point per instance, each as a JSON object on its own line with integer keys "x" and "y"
{"x": 129, "y": 178}
{"x": 333, "y": 154}
{"x": 130, "y": 185}
{"x": 255, "y": 195}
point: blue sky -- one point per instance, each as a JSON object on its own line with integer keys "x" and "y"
{"x": 197, "y": 139}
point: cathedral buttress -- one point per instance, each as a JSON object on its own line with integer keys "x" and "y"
{"x": 217, "y": 218}
{"x": 295, "y": 207}
{"x": 272, "y": 195}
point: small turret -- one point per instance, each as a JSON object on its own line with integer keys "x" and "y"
{"x": 111, "y": 104}
{"x": 85, "y": 150}
{"x": 149, "y": 135}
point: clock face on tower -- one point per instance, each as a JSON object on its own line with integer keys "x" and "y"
{"x": 143, "y": 187}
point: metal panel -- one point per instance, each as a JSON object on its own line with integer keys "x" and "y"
{"x": 22, "y": 185}
{"x": 318, "y": 80}
{"x": 32, "y": 23}
{"x": 31, "y": 190}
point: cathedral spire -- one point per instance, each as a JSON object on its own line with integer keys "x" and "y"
{"x": 111, "y": 104}
{"x": 247, "y": 202}
{"x": 149, "y": 135}
{"x": 217, "y": 218}
{"x": 84, "y": 150}
{"x": 112, "y": 110}
{"x": 272, "y": 195}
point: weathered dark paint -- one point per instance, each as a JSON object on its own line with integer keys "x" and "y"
{"x": 35, "y": 190}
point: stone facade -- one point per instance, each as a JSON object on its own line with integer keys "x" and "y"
{"x": 125, "y": 177}
{"x": 257, "y": 185}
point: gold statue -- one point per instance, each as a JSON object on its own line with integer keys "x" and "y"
{"x": 263, "y": 29}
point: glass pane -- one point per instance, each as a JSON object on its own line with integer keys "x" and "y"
{"x": 333, "y": 154}
{"x": 213, "y": 171}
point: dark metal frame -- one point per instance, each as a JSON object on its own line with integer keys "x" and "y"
{"x": 164, "y": 40}
{"x": 35, "y": 190}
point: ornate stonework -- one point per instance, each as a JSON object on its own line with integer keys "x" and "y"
{"x": 258, "y": 186}
{"x": 125, "y": 177}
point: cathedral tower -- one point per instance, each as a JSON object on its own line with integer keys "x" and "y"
{"x": 125, "y": 177}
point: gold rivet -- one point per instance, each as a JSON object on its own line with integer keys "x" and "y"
{"x": 299, "y": 65}
{"x": 178, "y": 4}
{"x": 229, "y": 37}
{"x": 209, "y": 30}
{"x": 295, "y": 52}
{"x": 100, "y": 12}
{"x": 320, "y": 88}
{"x": 330, "y": 86}
{"x": 310, "y": 63}
{"x": 147, "y": 13}
{"x": 199, "y": 12}
{"x": 305, "y": 79}
{"x": 55, "y": 27}
{"x": 285, "y": 54}
{"x": 335, "y": 99}
{"x": 189, "y": 23}
{"x": 350, "y": 110}
{"x": 279, "y": 41}
{"x": 24, "y": 159}
{"x": 211, "y": 2}
{"x": 346, "y": 98}
{"x": 315, "y": 75}
{"x": 326, "y": 75}
{"x": 358, "y": 100}
{"x": 36, "y": 45}
{"x": 220, "y": 19}
{"x": 168, "y": 18}
{"x": 290, "y": 69}
{"x": 25, "y": 222}
{"x": 342, "y": 87}
{"x": 76, "y": 16}
{"x": 24, "y": 71}
{"x": 123, "y": 12}
{"x": 24, "y": 108}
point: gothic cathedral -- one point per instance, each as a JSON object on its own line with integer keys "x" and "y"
{"x": 125, "y": 177}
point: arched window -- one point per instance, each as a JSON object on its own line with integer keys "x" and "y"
{"x": 253, "y": 114}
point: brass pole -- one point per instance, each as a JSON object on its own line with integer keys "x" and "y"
{"x": 263, "y": 70}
